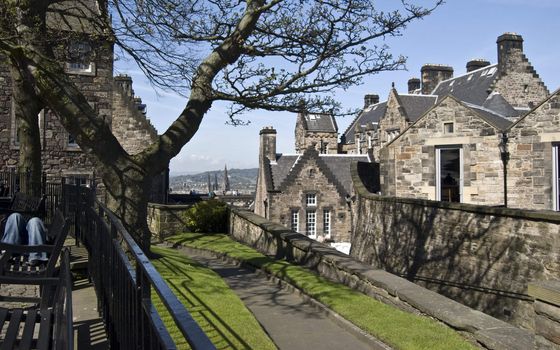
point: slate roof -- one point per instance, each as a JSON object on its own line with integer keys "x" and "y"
{"x": 498, "y": 121}
{"x": 371, "y": 114}
{"x": 320, "y": 123}
{"x": 472, "y": 87}
{"x": 497, "y": 103}
{"x": 337, "y": 164}
{"x": 414, "y": 106}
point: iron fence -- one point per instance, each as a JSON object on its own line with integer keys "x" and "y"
{"x": 124, "y": 279}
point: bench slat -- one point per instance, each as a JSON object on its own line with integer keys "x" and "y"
{"x": 45, "y": 329}
{"x": 13, "y": 329}
{"x": 27, "y": 336}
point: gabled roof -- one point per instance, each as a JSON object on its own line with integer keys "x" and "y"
{"x": 472, "y": 87}
{"x": 416, "y": 105}
{"x": 336, "y": 167}
{"x": 553, "y": 95}
{"x": 371, "y": 114}
{"x": 319, "y": 123}
{"x": 498, "y": 104}
{"x": 413, "y": 106}
{"x": 496, "y": 120}
{"x": 491, "y": 118}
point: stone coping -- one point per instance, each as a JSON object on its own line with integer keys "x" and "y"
{"x": 534, "y": 215}
{"x": 487, "y": 330}
{"x": 547, "y": 291}
{"x": 169, "y": 206}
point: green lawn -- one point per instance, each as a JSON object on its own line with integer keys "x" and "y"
{"x": 397, "y": 328}
{"x": 219, "y": 312}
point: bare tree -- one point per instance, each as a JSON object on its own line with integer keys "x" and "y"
{"x": 278, "y": 55}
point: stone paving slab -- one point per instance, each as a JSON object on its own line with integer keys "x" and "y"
{"x": 290, "y": 321}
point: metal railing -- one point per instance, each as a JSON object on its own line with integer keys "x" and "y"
{"x": 124, "y": 279}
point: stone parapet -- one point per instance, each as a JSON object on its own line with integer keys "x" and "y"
{"x": 547, "y": 313}
{"x": 481, "y": 256}
{"x": 279, "y": 241}
{"x": 166, "y": 220}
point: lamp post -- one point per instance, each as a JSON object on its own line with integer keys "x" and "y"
{"x": 504, "y": 153}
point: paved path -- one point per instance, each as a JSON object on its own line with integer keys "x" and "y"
{"x": 290, "y": 322}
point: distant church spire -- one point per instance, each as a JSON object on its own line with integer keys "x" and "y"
{"x": 215, "y": 187}
{"x": 226, "y": 180}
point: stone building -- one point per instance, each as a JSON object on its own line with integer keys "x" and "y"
{"x": 89, "y": 64}
{"x": 308, "y": 192}
{"x": 440, "y": 141}
{"x": 316, "y": 129}
{"x": 533, "y": 174}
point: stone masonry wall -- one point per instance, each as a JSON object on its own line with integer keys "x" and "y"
{"x": 483, "y": 257}
{"x": 518, "y": 82}
{"x": 328, "y": 197}
{"x": 393, "y": 119}
{"x": 278, "y": 241}
{"x": 166, "y": 220}
{"x": 530, "y": 173}
{"x": 60, "y": 158}
{"x": 129, "y": 125}
{"x": 409, "y": 163}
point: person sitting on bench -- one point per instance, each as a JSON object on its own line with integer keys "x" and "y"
{"x": 32, "y": 233}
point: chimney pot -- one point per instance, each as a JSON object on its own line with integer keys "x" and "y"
{"x": 413, "y": 85}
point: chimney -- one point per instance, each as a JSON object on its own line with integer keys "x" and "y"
{"x": 476, "y": 64}
{"x": 432, "y": 74}
{"x": 508, "y": 43}
{"x": 413, "y": 85}
{"x": 124, "y": 82}
{"x": 370, "y": 100}
{"x": 268, "y": 143}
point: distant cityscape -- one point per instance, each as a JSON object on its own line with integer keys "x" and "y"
{"x": 241, "y": 181}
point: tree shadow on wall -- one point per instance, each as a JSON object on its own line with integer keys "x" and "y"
{"x": 479, "y": 260}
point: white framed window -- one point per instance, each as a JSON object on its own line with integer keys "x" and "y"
{"x": 311, "y": 224}
{"x": 294, "y": 220}
{"x": 310, "y": 199}
{"x": 556, "y": 176}
{"x": 449, "y": 174}
{"x": 327, "y": 223}
{"x": 79, "y": 59}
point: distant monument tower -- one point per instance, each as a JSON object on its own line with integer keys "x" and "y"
{"x": 215, "y": 186}
{"x": 209, "y": 184}
{"x": 226, "y": 180}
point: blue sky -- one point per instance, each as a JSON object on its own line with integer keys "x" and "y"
{"x": 458, "y": 31}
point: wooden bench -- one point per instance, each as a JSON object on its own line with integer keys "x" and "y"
{"x": 48, "y": 324}
{"x": 13, "y": 261}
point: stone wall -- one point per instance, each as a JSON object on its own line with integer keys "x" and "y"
{"x": 166, "y": 220}
{"x": 547, "y": 310}
{"x": 483, "y": 257}
{"x": 58, "y": 155}
{"x": 530, "y": 168}
{"x": 276, "y": 240}
{"x": 409, "y": 163}
{"x": 518, "y": 82}
{"x": 129, "y": 125}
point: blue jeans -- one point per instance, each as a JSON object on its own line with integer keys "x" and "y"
{"x": 17, "y": 232}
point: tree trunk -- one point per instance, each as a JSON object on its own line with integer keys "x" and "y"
{"x": 127, "y": 196}
{"x": 27, "y": 107}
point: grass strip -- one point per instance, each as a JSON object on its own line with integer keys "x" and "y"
{"x": 213, "y": 305}
{"x": 395, "y": 327}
